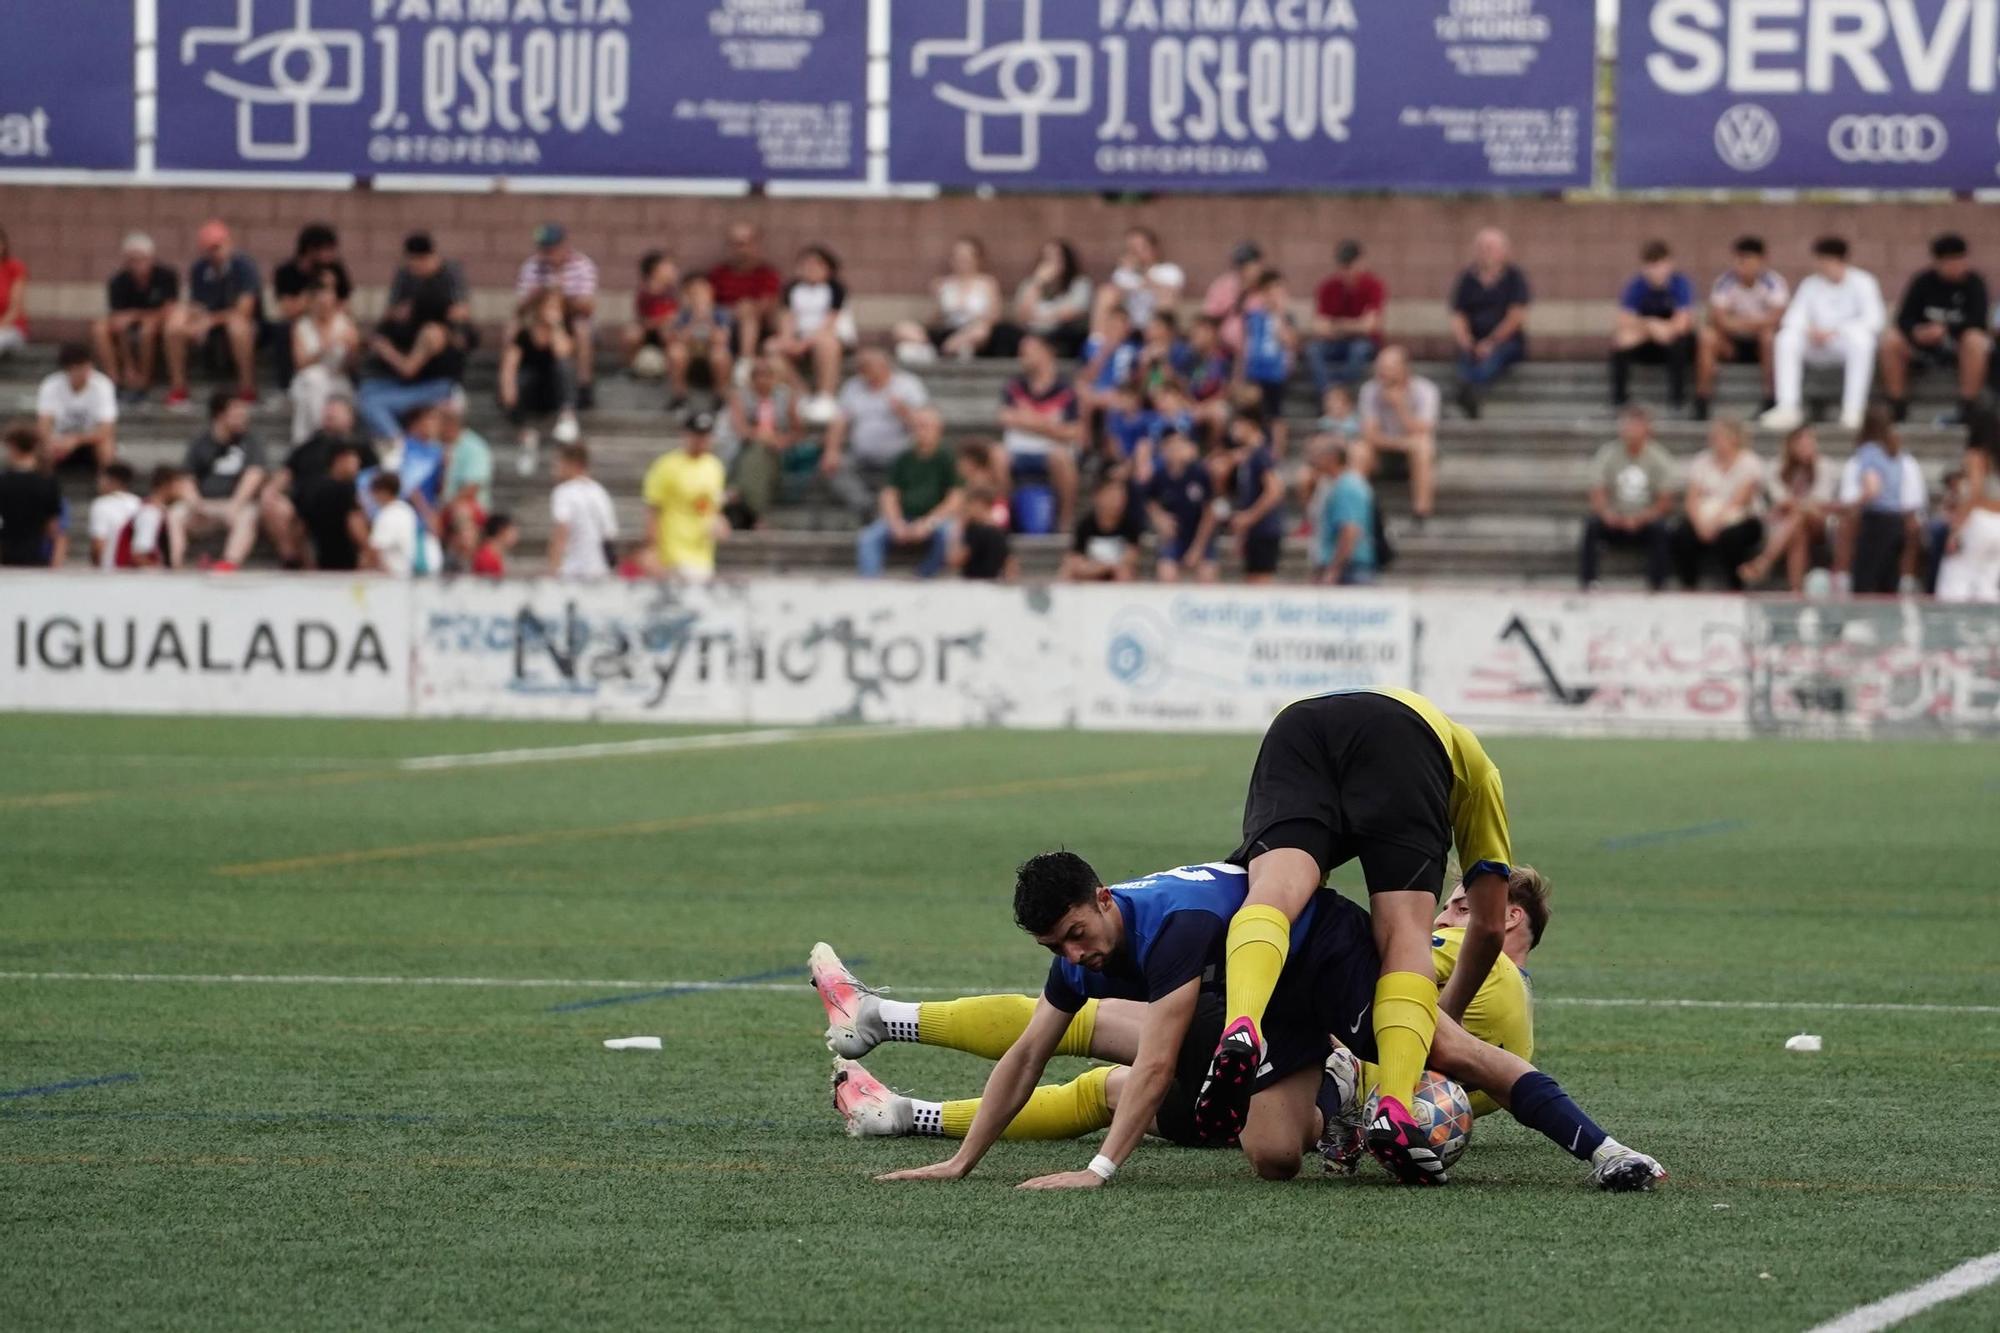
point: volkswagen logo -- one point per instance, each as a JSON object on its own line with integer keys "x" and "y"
{"x": 1746, "y": 137}
{"x": 1887, "y": 138}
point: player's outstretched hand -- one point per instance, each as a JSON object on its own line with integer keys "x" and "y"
{"x": 1065, "y": 1180}
{"x": 948, "y": 1169}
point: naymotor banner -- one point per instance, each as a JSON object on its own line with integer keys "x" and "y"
{"x": 1847, "y": 94}
{"x": 66, "y": 88}
{"x": 1242, "y": 94}
{"x": 756, "y": 89}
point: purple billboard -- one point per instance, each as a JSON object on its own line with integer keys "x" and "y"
{"x": 1243, "y": 94}
{"x": 1783, "y": 94}
{"x": 738, "y": 89}
{"x": 66, "y": 88}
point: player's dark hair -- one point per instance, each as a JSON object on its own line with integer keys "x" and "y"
{"x": 121, "y": 474}
{"x": 1654, "y": 251}
{"x": 73, "y": 354}
{"x": 1830, "y": 247}
{"x": 1949, "y": 246}
{"x": 1050, "y": 886}
{"x": 1529, "y": 890}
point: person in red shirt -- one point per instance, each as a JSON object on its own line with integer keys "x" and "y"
{"x": 653, "y": 306}
{"x": 1347, "y": 322}
{"x": 13, "y": 297}
{"x": 497, "y": 538}
{"x": 747, "y": 287}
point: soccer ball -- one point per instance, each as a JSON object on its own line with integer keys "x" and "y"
{"x": 1444, "y": 1113}
{"x": 649, "y": 363}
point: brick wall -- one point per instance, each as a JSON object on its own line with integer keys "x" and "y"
{"x": 1574, "y": 252}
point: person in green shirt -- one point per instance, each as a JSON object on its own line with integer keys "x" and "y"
{"x": 1632, "y": 487}
{"x": 919, "y": 506}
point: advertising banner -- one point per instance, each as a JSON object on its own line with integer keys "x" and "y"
{"x": 756, "y": 89}
{"x": 242, "y": 644}
{"x": 1243, "y": 94}
{"x": 769, "y": 651}
{"x": 1874, "y": 669}
{"x": 1227, "y": 659}
{"x": 1780, "y": 94}
{"x": 66, "y": 87}
{"x": 1573, "y": 664}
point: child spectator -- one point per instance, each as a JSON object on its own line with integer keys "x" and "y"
{"x": 653, "y": 308}
{"x": 982, "y": 468}
{"x": 586, "y": 525}
{"x": 1110, "y": 358}
{"x": 968, "y": 311}
{"x": 498, "y": 538}
{"x": 1343, "y": 519}
{"x": 1268, "y": 341}
{"x": 1164, "y": 358}
{"x": 156, "y": 538}
{"x": 1224, "y": 299}
{"x": 697, "y": 337}
{"x": 1180, "y": 498}
{"x": 764, "y": 420}
{"x": 468, "y": 469}
{"x": 1105, "y": 545}
{"x": 114, "y": 508}
{"x": 538, "y": 377}
{"x": 13, "y": 299}
{"x": 138, "y": 299}
{"x": 560, "y": 268}
{"x": 31, "y": 530}
{"x": 77, "y": 410}
{"x": 1256, "y": 523}
{"x": 401, "y": 543}
{"x": 1654, "y": 324}
{"x": 1338, "y": 415}
{"x": 815, "y": 327}
{"x": 1129, "y": 427}
{"x": 982, "y": 548}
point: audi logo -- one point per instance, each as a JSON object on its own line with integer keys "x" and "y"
{"x": 1887, "y": 138}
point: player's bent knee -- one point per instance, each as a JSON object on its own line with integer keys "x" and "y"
{"x": 1273, "y": 1163}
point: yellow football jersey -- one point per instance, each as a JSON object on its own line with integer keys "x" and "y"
{"x": 1478, "y": 805}
{"x": 1502, "y": 1012}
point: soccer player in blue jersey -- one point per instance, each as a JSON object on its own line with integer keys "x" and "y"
{"x": 1160, "y": 940}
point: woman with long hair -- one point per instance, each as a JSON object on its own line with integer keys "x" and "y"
{"x": 1971, "y": 568}
{"x": 1801, "y": 498}
{"x": 968, "y": 311}
{"x": 1053, "y": 302}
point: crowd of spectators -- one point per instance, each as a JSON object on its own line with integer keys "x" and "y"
{"x": 1147, "y": 423}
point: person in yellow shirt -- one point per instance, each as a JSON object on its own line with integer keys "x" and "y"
{"x": 683, "y": 492}
{"x": 1382, "y": 777}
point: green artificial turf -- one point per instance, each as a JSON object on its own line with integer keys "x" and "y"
{"x": 392, "y": 1155}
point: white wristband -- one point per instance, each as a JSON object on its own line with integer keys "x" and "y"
{"x": 1103, "y": 1167}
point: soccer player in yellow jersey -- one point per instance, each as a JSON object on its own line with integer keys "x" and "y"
{"x": 683, "y": 492}
{"x": 1384, "y": 778}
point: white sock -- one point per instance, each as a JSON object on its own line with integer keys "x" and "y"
{"x": 929, "y": 1116}
{"x": 899, "y": 1018}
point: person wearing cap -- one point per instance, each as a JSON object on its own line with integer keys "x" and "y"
{"x": 1224, "y": 299}
{"x": 1941, "y": 323}
{"x": 559, "y": 266}
{"x": 684, "y": 491}
{"x": 1347, "y": 321}
{"x": 225, "y": 295}
{"x": 138, "y": 300}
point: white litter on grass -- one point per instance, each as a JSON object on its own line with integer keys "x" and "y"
{"x": 1805, "y": 1041}
{"x": 632, "y": 1044}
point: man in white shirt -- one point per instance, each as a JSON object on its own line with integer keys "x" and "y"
{"x": 78, "y": 409}
{"x": 1143, "y": 282}
{"x": 1399, "y": 415}
{"x": 400, "y": 543}
{"x": 878, "y": 408}
{"x": 585, "y": 523}
{"x": 1835, "y": 318}
{"x": 114, "y": 508}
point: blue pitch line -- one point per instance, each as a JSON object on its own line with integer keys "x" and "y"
{"x": 71, "y": 1086}
{"x": 776, "y": 974}
{"x": 1708, "y": 830}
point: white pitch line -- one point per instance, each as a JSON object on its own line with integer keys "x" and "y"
{"x": 720, "y": 740}
{"x": 627, "y": 983}
{"x": 1963, "y": 1280}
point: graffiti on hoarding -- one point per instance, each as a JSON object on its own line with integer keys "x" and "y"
{"x": 1886, "y": 668}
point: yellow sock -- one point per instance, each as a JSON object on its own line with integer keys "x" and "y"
{"x": 987, "y": 1025}
{"x": 1406, "y": 1016}
{"x": 1070, "y": 1111}
{"x": 1259, "y": 939}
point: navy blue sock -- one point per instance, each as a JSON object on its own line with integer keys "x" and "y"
{"x": 1540, "y": 1103}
